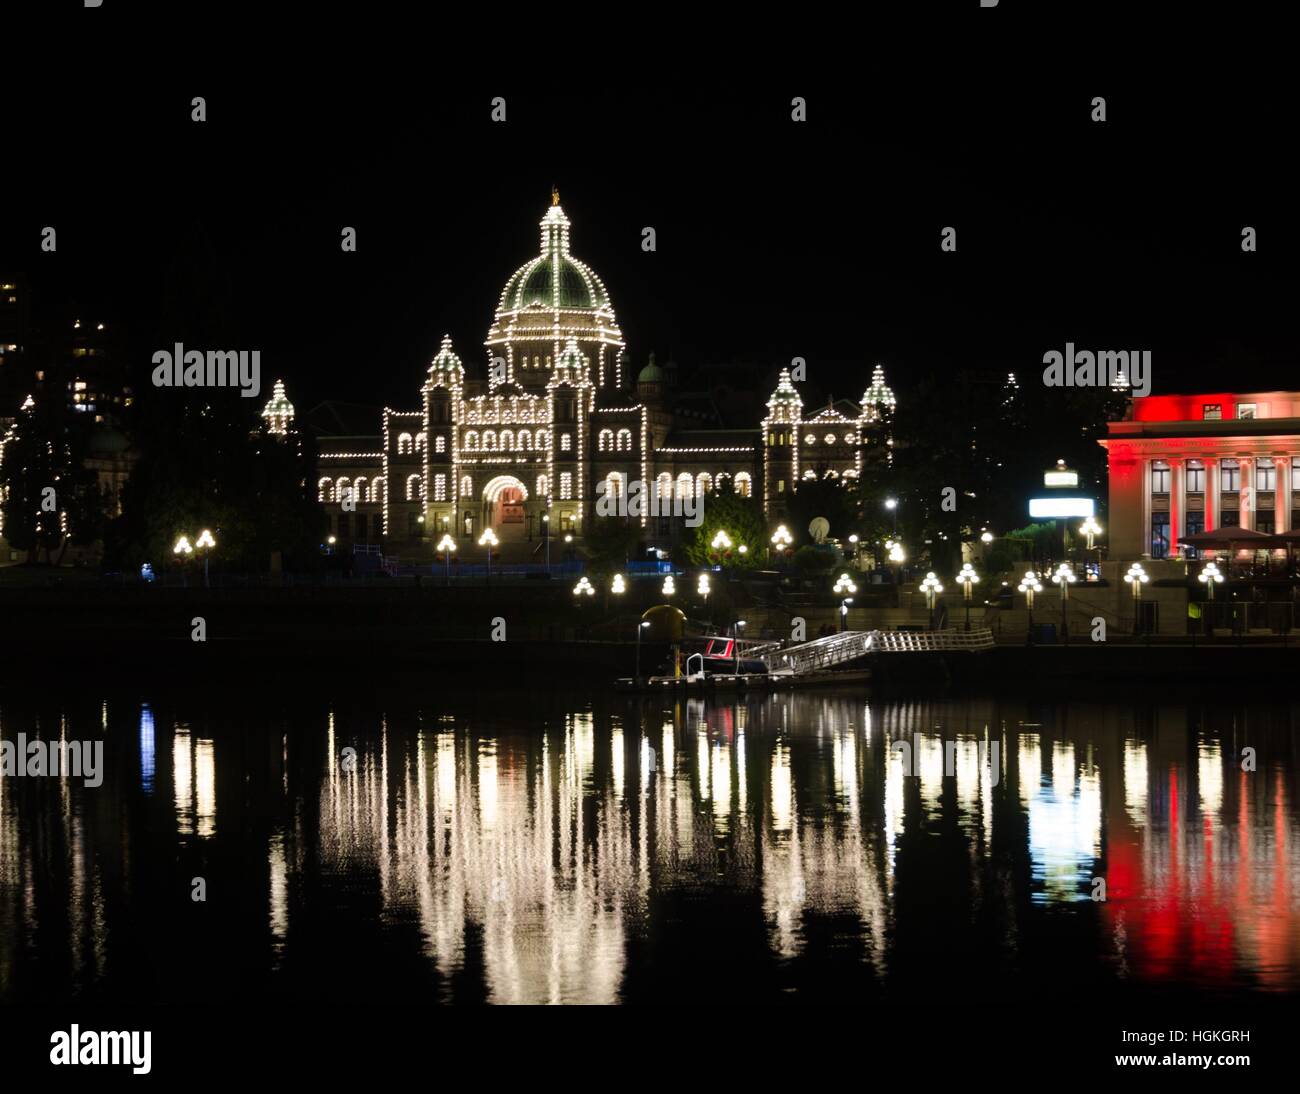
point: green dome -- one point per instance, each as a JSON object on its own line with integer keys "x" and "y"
{"x": 651, "y": 374}
{"x": 554, "y": 279}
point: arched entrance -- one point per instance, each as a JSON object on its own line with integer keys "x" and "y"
{"x": 503, "y": 505}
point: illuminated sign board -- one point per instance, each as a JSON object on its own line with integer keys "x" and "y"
{"x": 1058, "y": 507}
{"x": 1058, "y": 479}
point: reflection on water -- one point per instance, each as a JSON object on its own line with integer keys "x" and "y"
{"x": 510, "y": 850}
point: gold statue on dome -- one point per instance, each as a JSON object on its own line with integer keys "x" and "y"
{"x": 555, "y": 196}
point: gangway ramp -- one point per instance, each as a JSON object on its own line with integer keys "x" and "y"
{"x": 823, "y": 654}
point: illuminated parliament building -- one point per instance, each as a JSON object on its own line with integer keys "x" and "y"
{"x": 559, "y": 414}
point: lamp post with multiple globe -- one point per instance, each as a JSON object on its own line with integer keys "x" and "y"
{"x": 1064, "y": 578}
{"x": 968, "y": 579}
{"x": 1136, "y": 577}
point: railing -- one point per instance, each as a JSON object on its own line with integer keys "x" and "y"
{"x": 820, "y": 654}
{"x": 929, "y": 641}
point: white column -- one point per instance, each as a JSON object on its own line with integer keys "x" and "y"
{"x": 1177, "y": 503}
{"x": 1211, "y": 494}
{"x": 1282, "y": 494}
{"x": 1145, "y": 530}
{"x": 1246, "y": 491}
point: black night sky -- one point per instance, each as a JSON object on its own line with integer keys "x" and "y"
{"x": 775, "y": 240}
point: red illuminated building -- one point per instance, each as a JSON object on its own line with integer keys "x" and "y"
{"x": 1182, "y": 464}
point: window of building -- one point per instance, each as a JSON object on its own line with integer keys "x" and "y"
{"x": 780, "y": 486}
{"x": 404, "y": 443}
{"x": 1159, "y": 479}
{"x": 413, "y": 525}
{"x": 624, "y": 440}
{"x": 810, "y": 439}
{"x": 1212, "y": 412}
{"x": 1159, "y": 535}
{"x": 1195, "y": 477}
{"x": 412, "y": 487}
{"x": 466, "y": 487}
{"x": 1229, "y": 476}
{"x": 1195, "y": 524}
{"x": 1265, "y": 474}
{"x": 566, "y": 521}
{"x": 1246, "y": 410}
{"x": 439, "y": 487}
{"x": 1264, "y": 522}
{"x": 566, "y": 485}
{"x": 742, "y": 483}
{"x": 566, "y": 442}
{"x": 1230, "y": 518}
{"x": 468, "y": 525}
{"x": 605, "y": 440}
{"x": 440, "y": 443}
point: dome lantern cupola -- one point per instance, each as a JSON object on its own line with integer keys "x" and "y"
{"x": 278, "y": 411}
{"x": 446, "y": 368}
{"x": 879, "y": 397}
{"x": 785, "y": 405}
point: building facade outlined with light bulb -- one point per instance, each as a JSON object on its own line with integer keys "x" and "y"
{"x": 559, "y": 416}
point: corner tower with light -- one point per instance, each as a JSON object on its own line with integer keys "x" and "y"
{"x": 781, "y": 445}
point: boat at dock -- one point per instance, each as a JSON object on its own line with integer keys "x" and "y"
{"x": 847, "y": 658}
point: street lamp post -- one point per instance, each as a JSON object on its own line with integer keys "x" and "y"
{"x": 968, "y": 579}
{"x": 183, "y": 550}
{"x": 1136, "y": 577}
{"x": 1029, "y": 585}
{"x": 897, "y": 557}
{"x": 780, "y": 539}
{"x": 446, "y": 545}
{"x": 844, "y": 584}
{"x": 932, "y": 588}
{"x": 546, "y": 535}
{"x": 488, "y": 539}
{"x": 735, "y": 631}
{"x": 1064, "y": 577}
{"x": 892, "y": 505}
{"x": 640, "y": 627}
{"x": 205, "y": 543}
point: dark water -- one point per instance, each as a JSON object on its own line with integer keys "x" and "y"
{"x": 511, "y": 846}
